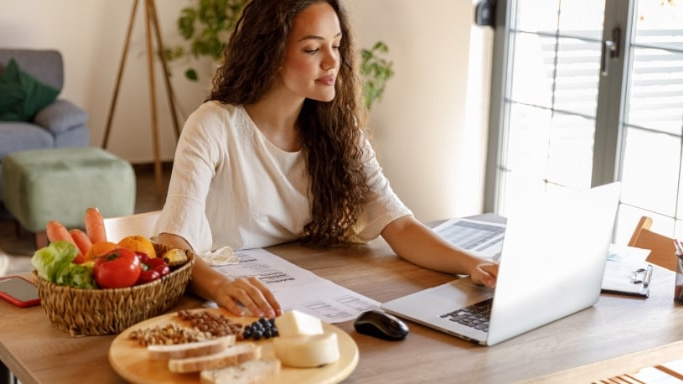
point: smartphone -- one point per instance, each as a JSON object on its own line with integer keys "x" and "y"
{"x": 19, "y": 291}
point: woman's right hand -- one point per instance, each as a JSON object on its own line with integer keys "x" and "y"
{"x": 250, "y": 293}
{"x": 233, "y": 295}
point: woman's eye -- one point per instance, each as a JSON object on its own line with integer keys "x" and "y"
{"x": 311, "y": 51}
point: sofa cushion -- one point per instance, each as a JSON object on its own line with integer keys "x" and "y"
{"x": 61, "y": 116}
{"x": 75, "y": 137}
{"x": 10, "y": 91}
{"x": 27, "y": 95}
{"x": 17, "y": 136}
{"x": 46, "y": 65}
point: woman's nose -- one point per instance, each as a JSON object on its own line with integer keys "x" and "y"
{"x": 331, "y": 60}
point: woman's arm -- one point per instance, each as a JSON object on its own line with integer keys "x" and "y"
{"x": 210, "y": 284}
{"x": 418, "y": 244}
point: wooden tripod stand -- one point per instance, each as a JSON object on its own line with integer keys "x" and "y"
{"x": 151, "y": 21}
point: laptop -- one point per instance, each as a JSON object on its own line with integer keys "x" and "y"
{"x": 551, "y": 265}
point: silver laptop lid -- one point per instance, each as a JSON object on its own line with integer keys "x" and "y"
{"x": 553, "y": 259}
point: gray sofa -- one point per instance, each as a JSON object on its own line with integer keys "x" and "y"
{"x": 60, "y": 124}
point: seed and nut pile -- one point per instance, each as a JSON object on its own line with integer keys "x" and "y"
{"x": 204, "y": 325}
{"x": 168, "y": 334}
{"x": 214, "y": 323}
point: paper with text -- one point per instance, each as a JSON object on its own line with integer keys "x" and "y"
{"x": 624, "y": 269}
{"x": 298, "y": 288}
{"x": 482, "y": 238}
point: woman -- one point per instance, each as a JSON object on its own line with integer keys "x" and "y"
{"x": 278, "y": 153}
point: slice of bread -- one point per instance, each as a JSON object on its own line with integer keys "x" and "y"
{"x": 250, "y": 372}
{"x": 185, "y": 350}
{"x": 234, "y": 355}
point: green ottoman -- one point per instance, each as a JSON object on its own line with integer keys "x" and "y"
{"x": 60, "y": 184}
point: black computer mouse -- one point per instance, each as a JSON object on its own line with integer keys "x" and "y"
{"x": 381, "y": 325}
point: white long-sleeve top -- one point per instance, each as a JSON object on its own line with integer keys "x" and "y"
{"x": 231, "y": 187}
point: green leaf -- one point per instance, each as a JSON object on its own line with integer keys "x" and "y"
{"x": 191, "y": 74}
{"x": 376, "y": 70}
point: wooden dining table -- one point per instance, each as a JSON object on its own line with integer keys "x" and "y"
{"x": 617, "y": 325}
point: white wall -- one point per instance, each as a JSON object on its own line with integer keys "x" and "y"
{"x": 429, "y": 129}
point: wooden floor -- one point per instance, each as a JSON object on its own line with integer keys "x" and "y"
{"x": 21, "y": 247}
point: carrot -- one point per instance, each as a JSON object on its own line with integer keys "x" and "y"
{"x": 94, "y": 225}
{"x": 81, "y": 239}
{"x": 56, "y": 231}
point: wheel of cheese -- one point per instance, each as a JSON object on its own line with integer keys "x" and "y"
{"x": 307, "y": 351}
{"x": 295, "y": 323}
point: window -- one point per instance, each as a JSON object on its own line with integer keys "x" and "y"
{"x": 586, "y": 92}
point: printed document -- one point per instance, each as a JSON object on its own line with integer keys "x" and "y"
{"x": 627, "y": 271}
{"x": 298, "y": 288}
{"x": 483, "y": 238}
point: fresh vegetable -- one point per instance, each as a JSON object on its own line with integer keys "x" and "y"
{"x": 56, "y": 231}
{"x": 152, "y": 268}
{"x": 48, "y": 261}
{"x": 118, "y": 268}
{"x": 55, "y": 263}
{"x": 77, "y": 276}
{"x": 94, "y": 225}
{"x": 83, "y": 243}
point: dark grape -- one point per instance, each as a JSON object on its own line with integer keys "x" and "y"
{"x": 261, "y": 328}
{"x": 256, "y": 335}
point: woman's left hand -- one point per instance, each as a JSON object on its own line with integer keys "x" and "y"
{"x": 485, "y": 274}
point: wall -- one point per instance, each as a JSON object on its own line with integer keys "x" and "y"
{"x": 429, "y": 129}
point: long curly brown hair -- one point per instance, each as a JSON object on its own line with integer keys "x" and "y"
{"x": 332, "y": 133}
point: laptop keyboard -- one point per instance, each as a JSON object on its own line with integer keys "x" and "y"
{"x": 475, "y": 316}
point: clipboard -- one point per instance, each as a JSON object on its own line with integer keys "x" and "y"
{"x": 627, "y": 279}
{"x": 627, "y": 272}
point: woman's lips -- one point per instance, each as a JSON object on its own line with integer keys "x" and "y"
{"x": 327, "y": 80}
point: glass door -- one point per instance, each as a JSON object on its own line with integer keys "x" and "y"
{"x": 586, "y": 92}
{"x": 652, "y": 121}
{"x": 550, "y": 96}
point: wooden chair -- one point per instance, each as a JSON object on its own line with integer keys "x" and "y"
{"x": 662, "y": 249}
{"x": 137, "y": 224}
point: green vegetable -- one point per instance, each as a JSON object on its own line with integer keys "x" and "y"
{"x": 48, "y": 261}
{"x": 55, "y": 263}
{"x": 77, "y": 276}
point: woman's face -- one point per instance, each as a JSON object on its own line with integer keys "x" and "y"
{"x": 312, "y": 57}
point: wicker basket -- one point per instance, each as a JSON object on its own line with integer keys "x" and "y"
{"x": 88, "y": 312}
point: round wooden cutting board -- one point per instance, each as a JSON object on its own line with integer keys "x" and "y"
{"x": 129, "y": 358}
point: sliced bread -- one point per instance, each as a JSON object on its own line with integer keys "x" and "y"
{"x": 250, "y": 372}
{"x": 233, "y": 355}
{"x": 185, "y": 350}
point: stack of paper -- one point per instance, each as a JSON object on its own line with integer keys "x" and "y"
{"x": 627, "y": 272}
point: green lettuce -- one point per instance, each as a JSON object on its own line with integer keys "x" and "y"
{"x": 48, "y": 261}
{"x": 55, "y": 263}
{"x": 76, "y": 275}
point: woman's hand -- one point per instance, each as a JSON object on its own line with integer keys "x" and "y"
{"x": 485, "y": 274}
{"x": 233, "y": 295}
{"x": 250, "y": 293}
{"x": 418, "y": 244}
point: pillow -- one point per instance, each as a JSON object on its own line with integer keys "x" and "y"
{"x": 10, "y": 91}
{"x": 21, "y": 95}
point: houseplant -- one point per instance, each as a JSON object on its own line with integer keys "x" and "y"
{"x": 375, "y": 71}
{"x": 206, "y": 24}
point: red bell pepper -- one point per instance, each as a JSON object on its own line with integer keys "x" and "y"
{"x": 153, "y": 268}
